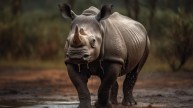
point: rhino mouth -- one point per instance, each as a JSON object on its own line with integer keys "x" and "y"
{"x": 77, "y": 57}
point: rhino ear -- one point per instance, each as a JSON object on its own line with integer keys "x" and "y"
{"x": 66, "y": 11}
{"x": 105, "y": 12}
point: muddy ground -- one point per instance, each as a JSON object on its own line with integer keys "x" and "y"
{"x": 38, "y": 88}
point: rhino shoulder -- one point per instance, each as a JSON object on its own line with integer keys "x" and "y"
{"x": 122, "y": 21}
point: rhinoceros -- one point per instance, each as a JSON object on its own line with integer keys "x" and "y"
{"x": 108, "y": 45}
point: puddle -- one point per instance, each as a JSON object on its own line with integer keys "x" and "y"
{"x": 146, "y": 98}
{"x": 52, "y": 106}
{"x": 34, "y": 104}
{"x": 55, "y": 104}
{"x": 67, "y": 104}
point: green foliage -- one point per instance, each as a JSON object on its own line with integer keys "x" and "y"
{"x": 176, "y": 47}
{"x": 34, "y": 29}
{"x": 32, "y": 35}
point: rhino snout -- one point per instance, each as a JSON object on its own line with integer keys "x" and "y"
{"x": 77, "y": 57}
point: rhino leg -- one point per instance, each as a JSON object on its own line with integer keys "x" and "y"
{"x": 80, "y": 79}
{"x": 128, "y": 85}
{"x": 111, "y": 71}
{"x": 130, "y": 80}
{"x": 114, "y": 92}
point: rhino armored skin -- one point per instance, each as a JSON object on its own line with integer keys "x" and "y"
{"x": 108, "y": 45}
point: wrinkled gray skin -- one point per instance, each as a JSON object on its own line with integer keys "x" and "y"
{"x": 108, "y": 45}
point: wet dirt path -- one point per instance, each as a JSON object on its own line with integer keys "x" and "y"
{"x": 53, "y": 89}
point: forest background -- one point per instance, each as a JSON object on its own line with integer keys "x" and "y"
{"x": 33, "y": 34}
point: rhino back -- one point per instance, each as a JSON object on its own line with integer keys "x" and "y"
{"x": 125, "y": 40}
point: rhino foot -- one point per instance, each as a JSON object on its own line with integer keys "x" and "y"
{"x": 85, "y": 105}
{"x": 97, "y": 105}
{"x": 114, "y": 101}
{"x": 129, "y": 101}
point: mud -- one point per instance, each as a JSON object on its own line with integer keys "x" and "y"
{"x": 53, "y": 89}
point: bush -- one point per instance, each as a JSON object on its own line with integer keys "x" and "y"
{"x": 36, "y": 35}
{"x": 177, "y": 47}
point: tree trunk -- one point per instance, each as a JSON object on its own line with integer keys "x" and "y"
{"x": 188, "y": 6}
{"x": 152, "y": 11}
{"x": 136, "y": 9}
{"x": 128, "y": 7}
{"x": 16, "y": 7}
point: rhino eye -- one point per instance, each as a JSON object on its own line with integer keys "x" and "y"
{"x": 93, "y": 40}
{"x": 93, "y": 43}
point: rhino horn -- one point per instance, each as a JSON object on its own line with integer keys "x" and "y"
{"x": 77, "y": 37}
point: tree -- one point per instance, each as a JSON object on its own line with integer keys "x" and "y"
{"x": 16, "y": 6}
{"x": 133, "y": 8}
{"x": 136, "y": 9}
{"x": 187, "y": 6}
{"x": 128, "y": 7}
{"x": 152, "y": 9}
{"x": 177, "y": 47}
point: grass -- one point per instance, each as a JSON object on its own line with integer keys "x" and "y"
{"x": 32, "y": 64}
{"x": 153, "y": 64}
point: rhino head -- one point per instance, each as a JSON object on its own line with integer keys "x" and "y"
{"x": 84, "y": 41}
